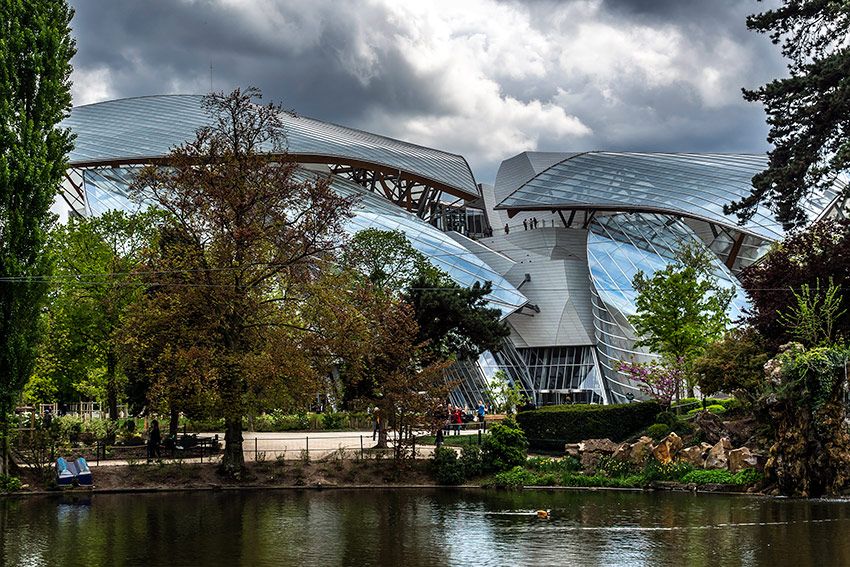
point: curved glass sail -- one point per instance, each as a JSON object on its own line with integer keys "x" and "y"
{"x": 618, "y": 247}
{"x": 690, "y": 185}
{"x": 133, "y": 130}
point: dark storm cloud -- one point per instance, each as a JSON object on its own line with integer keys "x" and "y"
{"x": 486, "y": 79}
{"x": 158, "y": 46}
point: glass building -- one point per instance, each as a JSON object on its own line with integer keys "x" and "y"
{"x": 580, "y": 226}
{"x": 626, "y": 213}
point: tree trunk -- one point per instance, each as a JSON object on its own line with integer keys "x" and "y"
{"x": 382, "y": 437}
{"x": 174, "y": 423}
{"x": 111, "y": 385}
{"x": 233, "y": 460}
{"x": 4, "y": 443}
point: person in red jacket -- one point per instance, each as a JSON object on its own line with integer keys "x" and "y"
{"x": 457, "y": 420}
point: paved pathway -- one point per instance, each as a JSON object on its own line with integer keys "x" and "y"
{"x": 290, "y": 445}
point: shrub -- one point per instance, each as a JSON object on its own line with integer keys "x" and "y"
{"x": 658, "y": 431}
{"x": 676, "y": 470}
{"x": 470, "y": 460}
{"x": 9, "y": 483}
{"x": 446, "y": 468}
{"x": 552, "y": 426}
{"x": 333, "y": 420}
{"x": 600, "y": 480}
{"x": 558, "y": 466}
{"x": 715, "y": 408}
{"x": 744, "y": 477}
{"x": 708, "y": 477}
{"x": 614, "y": 468}
{"x": 504, "y": 447}
{"x": 517, "y": 477}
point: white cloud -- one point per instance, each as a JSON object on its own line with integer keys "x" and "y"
{"x": 91, "y": 85}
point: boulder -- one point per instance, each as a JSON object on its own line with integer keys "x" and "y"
{"x": 741, "y": 431}
{"x": 572, "y": 450}
{"x": 693, "y": 455}
{"x": 668, "y": 448}
{"x": 604, "y": 446}
{"x": 623, "y": 452}
{"x": 711, "y": 426}
{"x": 741, "y": 459}
{"x": 589, "y": 462}
{"x": 718, "y": 456}
{"x": 640, "y": 450}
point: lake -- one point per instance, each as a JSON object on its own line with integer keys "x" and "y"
{"x": 422, "y": 527}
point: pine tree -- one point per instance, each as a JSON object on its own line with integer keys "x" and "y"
{"x": 808, "y": 111}
{"x": 35, "y": 69}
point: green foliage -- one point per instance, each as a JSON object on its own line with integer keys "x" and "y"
{"x": 35, "y": 70}
{"x": 672, "y": 471}
{"x": 682, "y": 308}
{"x": 820, "y": 253}
{"x": 734, "y": 364}
{"x": 454, "y": 320}
{"x": 715, "y": 408}
{"x": 812, "y": 319}
{"x": 561, "y": 466}
{"x": 658, "y": 431}
{"x": 85, "y": 315}
{"x": 517, "y": 477}
{"x": 807, "y": 109}
{"x": 506, "y": 396}
{"x": 446, "y": 468}
{"x": 470, "y": 460}
{"x": 9, "y": 483}
{"x": 386, "y": 259}
{"x": 615, "y": 468}
{"x": 503, "y": 447}
{"x": 552, "y": 426}
{"x": 745, "y": 477}
{"x": 333, "y": 420}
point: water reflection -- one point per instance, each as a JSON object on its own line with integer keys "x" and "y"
{"x": 423, "y": 527}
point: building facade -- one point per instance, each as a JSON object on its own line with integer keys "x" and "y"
{"x": 560, "y": 235}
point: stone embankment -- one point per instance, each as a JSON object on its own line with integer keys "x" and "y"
{"x": 721, "y": 455}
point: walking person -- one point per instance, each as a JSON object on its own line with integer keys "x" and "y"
{"x": 524, "y": 224}
{"x": 376, "y": 422}
{"x": 507, "y": 229}
{"x": 154, "y": 439}
{"x": 481, "y": 412}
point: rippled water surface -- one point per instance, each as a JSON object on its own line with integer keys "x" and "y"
{"x": 423, "y": 527}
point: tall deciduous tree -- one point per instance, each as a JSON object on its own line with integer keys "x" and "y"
{"x": 254, "y": 234}
{"x": 35, "y": 69}
{"x": 97, "y": 279}
{"x": 682, "y": 308}
{"x": 808, "y": 111}
{"x": 451, "y": 320}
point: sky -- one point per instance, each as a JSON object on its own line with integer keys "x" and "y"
{"x": 486, "y": 79}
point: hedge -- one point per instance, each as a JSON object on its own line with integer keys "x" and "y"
{"x": 552, "y": 426}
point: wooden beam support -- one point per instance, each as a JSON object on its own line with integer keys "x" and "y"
{"x": 736, "y": 249}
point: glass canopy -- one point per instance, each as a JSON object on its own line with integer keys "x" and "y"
{"x": 133, "y": 130}
{"x": 690, "y": 185}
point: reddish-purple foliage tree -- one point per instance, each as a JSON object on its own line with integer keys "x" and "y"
{"x": 809, "y": 257}
{"x": 658, "y": 380}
